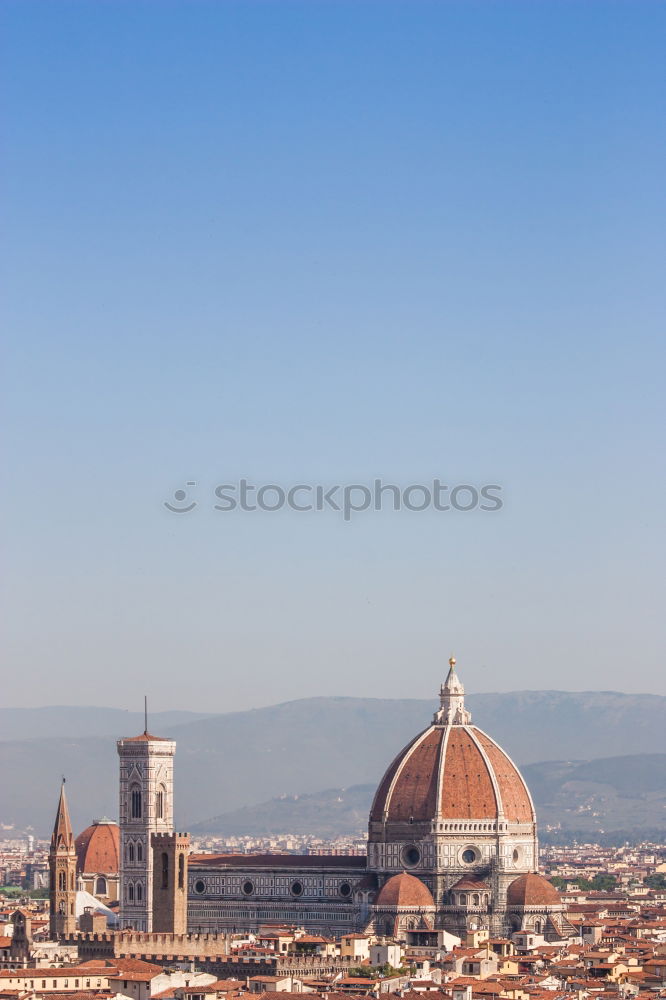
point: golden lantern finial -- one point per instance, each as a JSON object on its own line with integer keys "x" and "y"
{"x": 452, "y": 662}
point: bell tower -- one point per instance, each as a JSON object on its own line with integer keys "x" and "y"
{"x": 62, "y": 871}
{"x": 146, "y": 808}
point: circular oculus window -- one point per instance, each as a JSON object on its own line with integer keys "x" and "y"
{"x": 411, "y": 856}
{"x": 297, "y": 888}
{"x": 199, "y": 886}
{"x": 248, "y": 888}
{"x": 469, "y": 856}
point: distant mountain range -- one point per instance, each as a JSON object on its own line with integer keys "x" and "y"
{"x": 584, "y": 797}
{"x": 331, "y": 813}
{"x": 56, "y": 720}
{"x": 226, "y": 762}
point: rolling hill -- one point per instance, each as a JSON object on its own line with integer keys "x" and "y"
{"x": 225, "y": 762}
{"x": 612, "y": 794}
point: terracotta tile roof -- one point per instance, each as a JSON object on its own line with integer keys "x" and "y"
{"x": 98, "y": 849}
{"x": 135, "y": 965}
{"x": 133, "y": 977}
{"x": 404, "y": 890}
{"x": 211, "y": 988}
{"x": 228, "y": 984}
{"x": 78, "y": 994}
{"x": 420, "y": 785}
{"x": 532, "y": 890}
{"x": 278, "y": 860}
{"x": 381, "y": 795}
{"x": 145, "y": 738}
{"x": 467, "y": 788}
{"x": 472, "y": 884}
{"x": 513, "y": 790}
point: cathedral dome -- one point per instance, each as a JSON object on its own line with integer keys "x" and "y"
{"x": 98, "y": 848}
{"x": 404, "y": 890}
{"x": 532, "y": 890}
{"x": 452, "y": 771}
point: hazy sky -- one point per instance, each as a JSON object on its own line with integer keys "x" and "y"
{"x": 311, "y": 242}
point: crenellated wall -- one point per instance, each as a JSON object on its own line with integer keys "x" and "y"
{"x": 146, "y": 944}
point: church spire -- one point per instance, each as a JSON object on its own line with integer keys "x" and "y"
{"x": 452, "y": 711}
{"x": 62, "y": 831}
{"x": 62, "y": 868}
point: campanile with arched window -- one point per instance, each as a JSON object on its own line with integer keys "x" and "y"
{"x": 146, "y": 808}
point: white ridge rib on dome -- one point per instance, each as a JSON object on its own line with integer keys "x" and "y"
{"x": 515, "y": 767}
{"x": 414, "y": 746}
{"x": 499, "y": 802}
{"x": 441, "y": 764}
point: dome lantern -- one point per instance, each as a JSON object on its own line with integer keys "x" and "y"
{"x": 452, "y": 711}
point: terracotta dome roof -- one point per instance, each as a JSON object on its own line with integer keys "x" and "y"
{"x": 452, "y": 772}
{"x": 532, "y": 890}
{"x": 404, "y": 890}
{"x": 98, "y": 848}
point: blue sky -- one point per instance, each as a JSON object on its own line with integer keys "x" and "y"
{"x": 329, "y": 242}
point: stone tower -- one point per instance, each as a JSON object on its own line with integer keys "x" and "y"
{"x": 62, "y": 870}
{"x": 21, "y": 946}
{"x": 146, "y": 808}
{"x": 170, "y": 851}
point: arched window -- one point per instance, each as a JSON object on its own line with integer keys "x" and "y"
{"x": 130, "y": 892}
{"x": 71, "y": 882}
{"x": 463, "y": 899}
{"x": 100, "y": 886}
{"x": 165, "y": 870}
{"x": 135, "y": 802}
{"x": 139, "y": 852}
{"x": 159, "y": 803}
{"x": 475, "y": 899}
{"x": 62, "y": 881}
{"x": 181, "y": 871}
{"x": 130, "y": 852}
{"x": 139, "y": 892}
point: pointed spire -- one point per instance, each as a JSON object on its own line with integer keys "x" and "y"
{"x": 62, "y": 831}
{"x": 452, "y": 711}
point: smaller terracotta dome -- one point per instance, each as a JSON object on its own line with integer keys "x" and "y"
{"x": 472, "y": 885}
{"x": 98, "y": 848}
{"x": 532, "y": 890}
{"x": 404, "y": 890}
